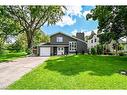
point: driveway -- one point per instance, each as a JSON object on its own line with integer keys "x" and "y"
{"x": 14, "y": 70}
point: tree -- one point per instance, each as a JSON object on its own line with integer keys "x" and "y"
{"x": 109, "y": 21}
{"x": 93, "y": 51}
{"x": 8, "y": 27}
{"x": 104, "y": 39}
{"x": 99, "y": 49}
{"x": 31, "y": 18}
{"x": 40, "y": 37}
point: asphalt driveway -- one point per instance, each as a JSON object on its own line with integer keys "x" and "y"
{"x": 14, "y": 70}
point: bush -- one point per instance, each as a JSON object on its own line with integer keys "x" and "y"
{"x": 15, "y": 47}
{"x": 93, "y": 51}
{"x": 121, "y": 54}
{"x": 106, "y": 51}
{"x": 99, "y": 49}
{"x": 110, "y": 53}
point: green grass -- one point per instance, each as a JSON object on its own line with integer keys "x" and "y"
{"x": 76, "y": 72}
{"x": 11, "y": 56}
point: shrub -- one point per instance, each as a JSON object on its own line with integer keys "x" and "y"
{"x": 99, "y": 49}
{"x": 121, "y": 54}
{"x": 110, "y": 53}
{"x": 93, "y": 51}
{"x": 106, "y": 51}
{"x": 15, "y": 47}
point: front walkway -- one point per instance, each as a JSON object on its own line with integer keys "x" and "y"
{"x": 12, "y": 71}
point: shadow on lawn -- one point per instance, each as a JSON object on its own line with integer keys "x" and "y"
{"x": 98, "y": 65}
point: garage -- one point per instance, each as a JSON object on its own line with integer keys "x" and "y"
{"x": 44, "y": 51}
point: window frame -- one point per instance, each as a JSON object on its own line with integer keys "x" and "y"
{"x": 59, "y": 39}
{"x": 72, "y": 45}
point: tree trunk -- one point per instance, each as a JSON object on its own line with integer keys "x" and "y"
{"x": 116, "y": 47}
{"x": 126, "y": 44}
{"x": 29, "y": 42}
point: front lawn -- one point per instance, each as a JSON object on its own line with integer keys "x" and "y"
{"x": 76, "y": 72}
{"x": 11, "y": 56}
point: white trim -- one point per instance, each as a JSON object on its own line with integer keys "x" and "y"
{"x": 60, "y": 50}
{"x": 59, "y": 39}
{"x": 70, "y": 42}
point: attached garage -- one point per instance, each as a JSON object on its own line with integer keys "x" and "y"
{"x": 45, "y": 51}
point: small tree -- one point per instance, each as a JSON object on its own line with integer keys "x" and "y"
{"x": 93, "y": 51}
{"x": 99, "y": 49}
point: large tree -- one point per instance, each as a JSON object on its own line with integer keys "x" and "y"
{"x": 31, "y": 18}
{"x": 8, "y": 27}
{"x": 109, "y": 20}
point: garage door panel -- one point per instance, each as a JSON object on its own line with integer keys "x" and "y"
{"x": 45, "y": 51}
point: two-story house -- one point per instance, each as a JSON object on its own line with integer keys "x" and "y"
{"x": 92, "y": 41}
{"x": 61, "y": 44}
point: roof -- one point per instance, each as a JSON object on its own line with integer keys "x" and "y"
{"x": 68, "y": 36}
{"x": 49, "y": 44}
{"x": 91, "y": 35}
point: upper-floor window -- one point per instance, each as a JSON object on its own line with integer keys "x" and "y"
{"x": 95, "y": 40}
{"x": 59, "y": 39}
{"x": 91, "y": 41}
{"x": 72, "y": 46}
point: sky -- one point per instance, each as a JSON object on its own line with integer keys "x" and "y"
{"x": 73, "y": 21}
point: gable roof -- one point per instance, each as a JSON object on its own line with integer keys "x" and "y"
{"x": 68, "y": 36}
{"x": 91, "y": 35}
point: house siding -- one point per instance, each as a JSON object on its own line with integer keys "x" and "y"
{"x": 81, "y": 47}
{"x": 94, "y": 44}
{"x": 66, "y": 39}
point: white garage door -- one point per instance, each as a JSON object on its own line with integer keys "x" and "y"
{"x": 44, "y": 51}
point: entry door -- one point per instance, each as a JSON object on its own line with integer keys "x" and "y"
{"x": 60, "y": 50}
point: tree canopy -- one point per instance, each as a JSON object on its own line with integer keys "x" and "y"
{"x": 111, "y": 19}
{"x": 31, "y": 18}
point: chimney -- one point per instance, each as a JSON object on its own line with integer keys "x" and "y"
{"x": 80, "y": 35}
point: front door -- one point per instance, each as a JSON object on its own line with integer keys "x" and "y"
{"x": 60, "y": 50}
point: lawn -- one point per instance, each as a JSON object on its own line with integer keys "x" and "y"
{"x": 11, "y": 56}
{"x": 76, "y": 72}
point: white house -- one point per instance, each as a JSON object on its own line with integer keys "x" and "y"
{"x": 92, "y": 41}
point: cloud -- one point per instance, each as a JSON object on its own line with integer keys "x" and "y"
{"x": 74, "y": 10}
{"x": 75, "y": 31}
{"x": 89, "y": 32}
{"x": 85, "y": 13}
{"x": 66, "y": 20}
{"x": 71, "y": 11}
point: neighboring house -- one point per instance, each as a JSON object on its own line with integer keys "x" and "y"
{"x": 92, "y": 41}
{"x": 61, "y": 44}
{"x": 122, "y": 48}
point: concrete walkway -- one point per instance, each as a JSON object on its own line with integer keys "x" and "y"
{"x": 14, "y": 70}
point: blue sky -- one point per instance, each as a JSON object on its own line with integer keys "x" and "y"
{"x": 73, "y": 21}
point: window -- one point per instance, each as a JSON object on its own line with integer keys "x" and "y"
{"x": 91, "y": 41}
{"x": 95, "y": 40}
{"x": 72, "y": 46}
{"x": 59, "y": 39}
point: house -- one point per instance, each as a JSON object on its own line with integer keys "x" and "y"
{"x": 92, "y": 41}
{"x": 122, "y": 45}
{"x": 61, "y": 44}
